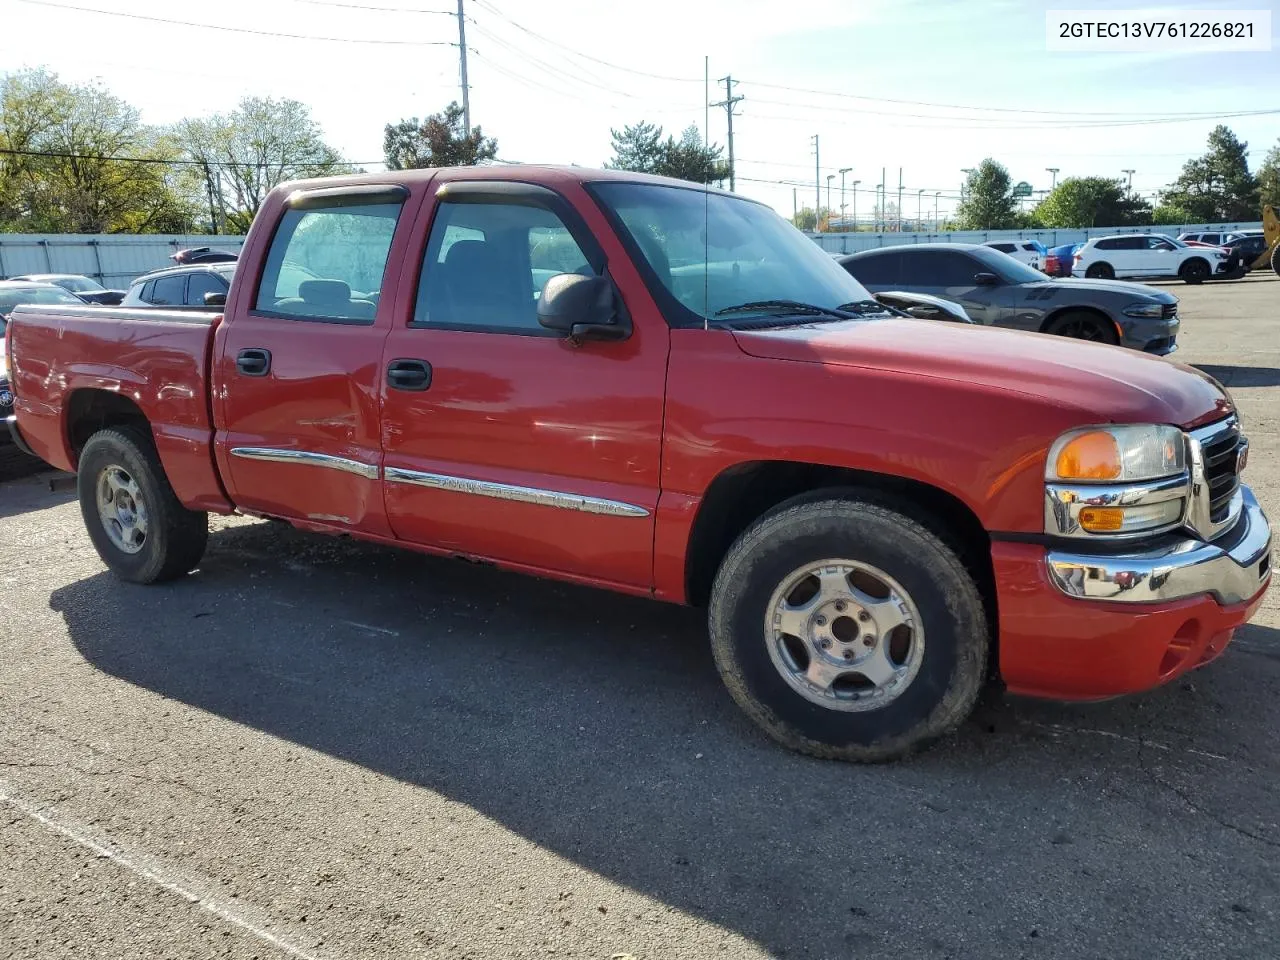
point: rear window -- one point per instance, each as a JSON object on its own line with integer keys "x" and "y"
{"x": 877, "y": 269}
{"x": 36, "y": 295}
{"x": 327, "y": 263}
{"x": 1003, "y": 247}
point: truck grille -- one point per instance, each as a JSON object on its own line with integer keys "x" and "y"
{"x": 1221, "y": 459}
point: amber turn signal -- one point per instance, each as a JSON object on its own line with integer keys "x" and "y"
{"x": 1091, "y": 456}
{"x": 1102, "y": 519}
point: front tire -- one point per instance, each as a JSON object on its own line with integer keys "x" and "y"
{"x": 848, "y": 631}
{"x": 1083, "y": 325}
{"x": 1195, "y": 271}
{"x": 140, "y": 529}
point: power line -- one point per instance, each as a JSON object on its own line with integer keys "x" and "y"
{"x": 107, "y": 158}
{"x": 227, "y": 29}
{"x": 361, "y": 6}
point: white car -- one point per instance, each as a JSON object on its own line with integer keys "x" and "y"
{"x": 1024, "y": 251}
{"x": 1147, "y": 255}
{"x": 1219, "y": 238}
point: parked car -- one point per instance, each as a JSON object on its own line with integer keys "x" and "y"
{"x": 13, "y": 293}
{"x": 1059, "y": 260}
{"x": 180, "y": 286}
{"x": 1149, "y": 255}
{"x": 1030, "y": 252}
{"x": 1218, "y": 238}
{"x": 997, "y": 291}
{"x": 878, "y": 511}
{"x": 203, "y": 255}
{"x": 1248, "y": 248}
{"x": 88, "y": 290}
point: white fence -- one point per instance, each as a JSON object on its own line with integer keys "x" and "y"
{"x": 853, "y": 242}
{"x": 114, "y": 260}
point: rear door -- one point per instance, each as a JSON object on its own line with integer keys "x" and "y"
{"x": 298, "y": 363}
{"x": 503, "y": 439}
{"x": 1129, "y": 256}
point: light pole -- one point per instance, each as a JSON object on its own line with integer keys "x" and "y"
{"x": 855, "y": 204}
{"x": 919, "y": 201}
{"x": 937, "y": 224}
{"x": 830, "y": 177}
{"x": 1130, "y": 173}
{"x": 843, "y": 171}
{"x": 1054, "y": 171}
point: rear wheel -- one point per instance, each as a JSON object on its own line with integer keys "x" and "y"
{"x": 140, "y": 529}
{"x": 848, "y": 631}
{"x": 1195, "y": 271}
{"x": 1275, "y": 259}
{"x": 1100, "y": 271}
{"x": 1082, "y": 325}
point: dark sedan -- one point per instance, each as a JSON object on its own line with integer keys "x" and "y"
{"x": 13, "y": 293}
{"x": 997, "y": 290}
{"x": 90, "y": 291}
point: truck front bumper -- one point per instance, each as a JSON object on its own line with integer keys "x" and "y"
{"x": 1083, "y": 626}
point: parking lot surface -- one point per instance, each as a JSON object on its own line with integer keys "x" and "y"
{"x": 320, "y": 749}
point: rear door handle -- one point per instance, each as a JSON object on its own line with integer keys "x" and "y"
{"x": 254, "y": 362}
{"x": 408, "y": 375}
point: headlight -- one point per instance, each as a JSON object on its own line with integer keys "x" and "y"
{"x": 1117, "y": 454}
{"x": 1155, "y": 310}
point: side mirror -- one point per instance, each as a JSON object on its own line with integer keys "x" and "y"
{"x": 986, "y": 279}
{"x": 212, "y": 299}
{"x": 582, "y": 308}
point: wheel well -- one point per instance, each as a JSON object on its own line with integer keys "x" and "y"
{"x": 1063, "y": 311}
{"x": 1190, "y": 260}
{"x": 91, "y": 410}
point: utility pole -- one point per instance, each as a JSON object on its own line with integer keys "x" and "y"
{"x": 462, "y": 55}
{"x": 843, "y": 223}
{"x": 1054, "y": 171}
{"x": 817, "y": 184}
{"x": 919, "y": 201}
{"x": 899, "y": 199}
{"x": 795, "y": 206}
{"x": 830, "y": 177}
{"x": 1130, "y": 173}
{"x": 855, "y": 204}
{"x": 728, "y": 102}
{"x": 884, "y": 214}
{"x": 937, "y": 224}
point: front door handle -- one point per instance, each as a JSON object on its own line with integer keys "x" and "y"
{"x": 253, "y": 362}
{"x": 408, "y": 375}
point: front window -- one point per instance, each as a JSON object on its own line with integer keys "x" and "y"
{"x": 1008, "y": 269}
{"x": 710, "y": 251}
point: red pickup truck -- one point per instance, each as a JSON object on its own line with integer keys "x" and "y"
{"x": 634, "y": 383}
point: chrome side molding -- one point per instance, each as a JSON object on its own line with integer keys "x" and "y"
{"x": 506, "y": 491}
{"x": 277, "y": 455}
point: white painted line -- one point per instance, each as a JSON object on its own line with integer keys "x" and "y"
{"x": 1112, "y": 735}
{"x": 149, "y": 868}
{"x": 371, "y": 628}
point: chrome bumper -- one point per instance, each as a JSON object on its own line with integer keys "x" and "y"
{"x": 1187, "y": 568}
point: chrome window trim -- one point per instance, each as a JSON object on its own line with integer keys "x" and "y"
{"x": 1198, "y": 521}
{"x": 1064, "y": 501}
{"x": 507, "y": 491}
{"x": 280, "y": 455}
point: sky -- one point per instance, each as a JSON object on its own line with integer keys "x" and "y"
{"x": 926, "y": 86}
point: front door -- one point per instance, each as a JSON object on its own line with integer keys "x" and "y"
{"x": 504, "y": 440}
{"x": 299, "y": 360}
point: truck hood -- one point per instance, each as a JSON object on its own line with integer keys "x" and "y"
{"x": 1104, "y": 383}
{"x": 1131, "y": 291}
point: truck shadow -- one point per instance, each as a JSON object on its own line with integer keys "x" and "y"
{"x": 596, "y": 727}
{"x": 1230, "y": 375}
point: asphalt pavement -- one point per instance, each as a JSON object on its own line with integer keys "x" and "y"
{"x": 319, "y": 749}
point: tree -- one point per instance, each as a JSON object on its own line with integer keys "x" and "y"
{"x": 242, "y": 156}
{"x": 641, "y": 149}
{"x": 82, "y": 162}
{"x": 1167, "y": 215}
{"x": 1092, "y": 202}
{"x": 1269, "y": 177}
{"x": 806, "y": 219}
{"x": 988, "y": 202}
{"x": 1217, "y": 187}
{"x": 438, "y": 141}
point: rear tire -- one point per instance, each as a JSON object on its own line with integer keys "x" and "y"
{"x": 140, "y": 529}
{"x": 1083, "y": 325}
{"x": 1195, "y": 271}
{"x": 1275, "y": 259}
{"x": 904, "y": 598}
{"x": 1100, "y": 271}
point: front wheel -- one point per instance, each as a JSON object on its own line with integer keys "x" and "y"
{"x": 1194, "y": 271}
{"x": 1083, "y": 325}
{"x": 140, "y": 529}
{"x": 848, "y": 631}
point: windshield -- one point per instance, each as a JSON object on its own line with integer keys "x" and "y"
{"x": 710, "y": 251}
{"x": 12, "y": 298}
{"x": 1007, "y": 268}
{"x": 78, "y": 284}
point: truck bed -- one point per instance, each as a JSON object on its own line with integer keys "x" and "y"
{"x": 152, "y": 361}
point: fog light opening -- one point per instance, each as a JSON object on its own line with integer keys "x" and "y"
{"x": 1179, "y": 647}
